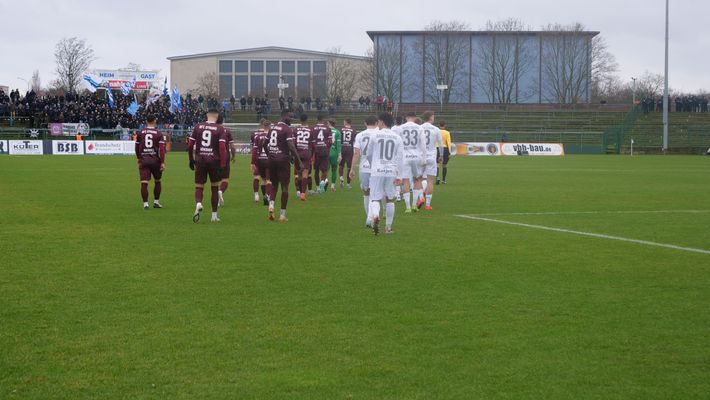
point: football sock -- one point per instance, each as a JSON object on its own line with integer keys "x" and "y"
{"x": 428, "y": 199}
{"x": 270, "y": 191}
{"x": 255, "y": 185}
{"x": 263, "y": 190}
{"x": 389, "y": 214}
{"x": 443, "y": 173}
{"x": 349, "y": 177}
{"x": 310, "y": 183}
{"x": 215, "y": 198}
{"x": 304, "y": 184}
{"x": 417, "y": 195}
{"x": 198, "y": 194}
{"x": 374, "y": 209}
{"x": 157, "y": 189}
{"x": 407, "y": 200}
{"x": 282, "y": 213}
{"x": 284, "y": 198}
{"x": 367, "y": 205}
{"x": 340, "y": 172}
{"x": 214, "y": 214}
{"x": 223, "y": 186}
{"x": 144, "y": 191}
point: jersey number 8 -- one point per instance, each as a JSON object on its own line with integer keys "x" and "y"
{"x": 272, "y": 139}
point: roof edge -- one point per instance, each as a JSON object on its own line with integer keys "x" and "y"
{"x": 371, "y": 34}
{"x": 219, "y": 53}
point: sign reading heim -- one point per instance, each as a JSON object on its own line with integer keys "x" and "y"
{"x": 117, "y": 77}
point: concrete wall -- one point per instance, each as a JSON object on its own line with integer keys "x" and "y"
{"x": 184, "y": 73}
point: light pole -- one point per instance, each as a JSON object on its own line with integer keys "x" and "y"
{"x": 634, "y": 91}
{"x": 665, "y": 90}
{"x": 26, "y": 81}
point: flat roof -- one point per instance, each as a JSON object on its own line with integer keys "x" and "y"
{"x": 267, "y": 48}
{"x": 372, "y": 34}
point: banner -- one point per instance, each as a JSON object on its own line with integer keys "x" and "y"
{"x": 478, "y": 149}
{"x": 67, "y": 147}
{"x": 109, "y": 147}
{"x": 57, "y": 129}
{"x": 242, "y": 148}
{"x": 117, "y": 78}
{"x": 533, "y": 149}
{"x": 25, "y": 147}
{"x": 3, "y": 147}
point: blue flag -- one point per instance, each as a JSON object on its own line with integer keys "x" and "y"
{"x": 91, "y": 84}
{"x": 133, "y": 107}
{"x": 109, "y": 96}
{"x": 165, "y": 87}
{"x": 128, "y": 86}
{"x": 175, "y": 101}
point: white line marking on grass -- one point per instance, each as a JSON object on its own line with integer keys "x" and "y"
{"x": 602, "y": 212}
{"x": 589, "y": 234}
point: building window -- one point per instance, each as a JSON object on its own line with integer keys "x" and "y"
{"x": 257, "y": 66}
{"x": 225, "y": 66}
{"x": 272, "y": 88}
{"x": 242, "y": 67}
{"x": 291, "y": 80}
{"x": 319, "y": 67}
{"x": 272, "y": 67}
{"x": 225, "y": 86}
{"x": 241, "y": 83}
{"x": 319, "y": 89}
{"x": 288, "y": 67}
{"x": 303, "y": 86}
{"x": 257, "y": 85}
{"x": 304, "y": 67}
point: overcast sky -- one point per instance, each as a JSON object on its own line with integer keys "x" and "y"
{"x": 146, "y": 32}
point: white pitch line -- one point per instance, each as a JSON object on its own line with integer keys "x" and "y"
{"x": 589, "y": 234}
{"x": 601, "y": 212}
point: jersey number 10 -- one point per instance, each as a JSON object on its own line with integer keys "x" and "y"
{"x": 386, "y": 149}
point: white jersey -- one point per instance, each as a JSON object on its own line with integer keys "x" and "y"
{"x": 431, "y": 138}
{"x": 362, "y": 140}
{"x": 412, "y": 140}
{"x": 385, "y": 154}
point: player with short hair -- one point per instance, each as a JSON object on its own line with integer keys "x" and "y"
{"x": 334, "y": 156}
{"x": 323, "y": 139}
{"x": 260, "y": 161}
{"x": 362, "y": 140}
{"x": 385, "y": 152}
{"x": 445, "y": 154}
{"x": 305, "y": 145}
{"x": 414, "y": 159}
{"x": 348, "y": 139}
{"x": 432, "y": 140}
{"x": 150, "y": 151}
{"x": 207, "y": 153}
{"x": 279, "y": 146}
{"x": 226, "y": 171}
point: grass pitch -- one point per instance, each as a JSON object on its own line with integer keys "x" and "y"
{"x": 101, "y": 299}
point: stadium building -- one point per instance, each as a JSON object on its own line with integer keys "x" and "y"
{"x": 258, "y": 71}
{"x": 483, "y": 66}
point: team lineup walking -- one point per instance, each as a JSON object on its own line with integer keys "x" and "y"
{"x": 392, "y": 162}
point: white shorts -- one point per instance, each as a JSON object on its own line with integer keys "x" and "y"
{"x": 430, "y": 169}
{"x": 365, "y": 180}
{"x": 382, "y": 188}
{"x": 412, "y": 169}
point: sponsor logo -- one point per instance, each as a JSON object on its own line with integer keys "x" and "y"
{"x": 533, "y": 149}
{"x": 61, "y": 147}
{"x": 106, "y": 74}
{"x": 25, "y": 147}
{"x": 492, "y": 149}
{"x": 3, "y": 147}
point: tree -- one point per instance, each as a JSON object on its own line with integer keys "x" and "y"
{"x": 649, "y": 85}
{"x": 207, "y": 85}
{"x": 388, "y": 66}
{"x": 565, "y": 63}
{"x": 73, "y": 57}
{"x": 502, "y": 60}
{"x": 604, "y": 70}
{"x": 341, "y": 76}
{"x": 36, "y": 82}
{"x": 133, "y": 67}
{"x": 445, "y": 54}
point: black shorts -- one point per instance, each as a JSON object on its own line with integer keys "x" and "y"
{"x": 445, "y": 158}
{"x": 262, "y": 168}
{"x": 280, "y": 171}
{"x": 203, "y": 170}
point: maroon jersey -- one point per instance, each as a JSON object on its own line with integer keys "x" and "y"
{"x": 347, "y": 138}
{"x": 149, "y": 142}
{"x": 305, "y": 141}
{"x": 257, "y": 142}
{"x": 322, "y": 136}
{"x": 277, "y": 142}
{"x": 228, "y": 138}
{"x": 206, "y": 138}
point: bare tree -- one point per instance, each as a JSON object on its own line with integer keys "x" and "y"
{"x": 503, "y": 59}
{"x": 368, "y": 74}
{"x": 207, "y": 85}
{"x": 36, "y": 82}
{"x": 133, "y": 67}
{"x": 388, "y": 67}
{"x": 73, "y": 57}
{"x": 341, "y": 76}
{"x": 444, "y": 54}
{"x": 649, "y": 85}
{"x": 604, "y": 70}
{"x": 565, "y": 63}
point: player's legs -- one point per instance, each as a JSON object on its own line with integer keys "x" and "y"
{"x": 377, "y": 194}
{"x": 272, "y": 187}
{"x": 200, "y": 180}
{"x": 444, "y": 165}
{"x": 341, "y": 167}
{"x": 365, "y": 186}
{"x": 215, "y": 180}
{"x": 406, "y": 187}
{"x": 349, "y": 164}
{"x": 284, "y": 178}
{"x": 158, "y": 187}
{"x": 304, "y": 176}
{"x": 144, "y": 175}
{"x": 316, "y": 167}
{"x": 255, "y": 186}
{"x": 333, "y": 171}
{"x": 430, "y": 174}
{"x": 390, "y": 196}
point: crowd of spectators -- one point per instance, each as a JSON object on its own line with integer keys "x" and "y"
{"x": 680, "y": 103}
{"x": 94, "y": 109}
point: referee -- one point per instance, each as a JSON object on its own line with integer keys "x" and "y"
{"x": 444, "y": 159}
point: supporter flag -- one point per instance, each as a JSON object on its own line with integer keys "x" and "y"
{"x": 133, "y": 107}
{"x": 165, "y": 87}
{"x": 175, "y": 101}
{"x": 91, "y": 84}
{"x": 153, "y": 96}
{"x": 109, "y": 96}
{"x": 128, "y": 86}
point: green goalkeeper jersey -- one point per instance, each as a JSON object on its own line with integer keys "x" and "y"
{"x": 337, "y": 144}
